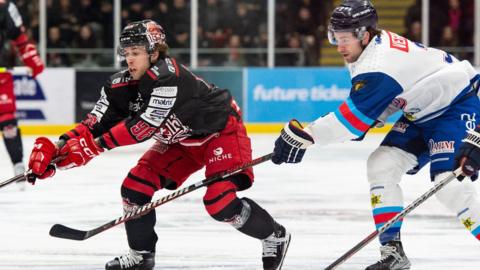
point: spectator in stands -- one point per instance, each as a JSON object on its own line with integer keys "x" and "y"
{"x": 86, "y": 39}
{"x": 180, "y": 15}
{"x": 55, "y": 41}
{"x": 106, "y": 21}
{"x": 291, "y": 58}
{"x": 235, "y": 57}
{"x": 245, "y": 25}
{"x": 414, "y": 31}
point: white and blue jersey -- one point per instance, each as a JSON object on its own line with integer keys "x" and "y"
{"x": 431, "y": 87}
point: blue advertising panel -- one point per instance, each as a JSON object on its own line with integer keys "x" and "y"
{"x": 280, "y": 94}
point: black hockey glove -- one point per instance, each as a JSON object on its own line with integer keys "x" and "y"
{"x": 290, "y": 146}
{"x": 468, "y": 155}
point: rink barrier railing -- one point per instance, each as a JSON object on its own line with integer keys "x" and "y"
{"x": 54, "y": 130}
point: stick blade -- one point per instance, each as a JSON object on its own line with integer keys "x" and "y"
{"x": 61, "y": 231}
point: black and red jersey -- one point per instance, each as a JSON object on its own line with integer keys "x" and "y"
{"x": 11, "y": 26}
{"x": 169, "y": 103}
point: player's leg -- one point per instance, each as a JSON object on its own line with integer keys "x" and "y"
{"x": 8, "y": 123}
{"x": 160, "y": 167}
{"x": 398, "y": 154}
{"x": 459, "y": 197}
{"x": 13, "y": 142}
{"x": 231, "y": 149}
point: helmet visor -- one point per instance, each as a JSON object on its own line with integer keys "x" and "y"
{"x": 357, "y": 34}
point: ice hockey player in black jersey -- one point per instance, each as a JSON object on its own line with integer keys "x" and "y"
{"x": 195, "y": 124}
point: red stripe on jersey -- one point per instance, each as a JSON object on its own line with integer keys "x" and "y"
{"x": 177, "y": 71}
{"x": 117, "y": 85}
{"x": 219, "y": 205}
{"x": 151, "y": 74}
{"x": 80, "y": 129}
{"x": 120, "y": 135}
{"x": 352, "y": 119}
{"x": 382, "y": 218}
{"x": 137, "y": 186}
{"x": 6, "y": 117}
{"x": 109, "y": 141}
{"x": 478, "y": 236}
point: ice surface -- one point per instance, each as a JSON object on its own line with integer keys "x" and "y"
{"x": 323, "y": 201}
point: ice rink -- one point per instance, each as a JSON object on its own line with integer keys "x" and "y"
{"x": 323, "y": 201}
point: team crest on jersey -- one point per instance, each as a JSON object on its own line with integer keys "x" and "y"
{"x": 359, "y": 85}
{"x": 398, "y": 42}
{"x": 172, "y": 130}
{"x": 468, "y": 223}
{"x": 375, "y": 200}
{"x": 441, "y": 147}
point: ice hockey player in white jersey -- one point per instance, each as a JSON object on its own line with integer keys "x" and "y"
{"x": 438, "y": 97}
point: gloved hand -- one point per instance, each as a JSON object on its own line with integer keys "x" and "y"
{"x": 290, "y": 146}
{"x": 468, "y": 155}
{"x": 42, "y": 154}
{"x": 29, "y": 54}
{"x": 78, "y": 151}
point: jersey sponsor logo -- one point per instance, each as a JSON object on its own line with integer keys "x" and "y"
{"x": 441, "y": 147}
{"x": 156, "y": 115}
{"x": 161, "y": 102}
{"x": 155, "y": 70}
{"x": 101, "y": 106}
{"x": 470, "y": 121}
{"x": 398, "y": 42}
{"x": 170, "y": 65}
{"x": 165, "y": 91}
{"x": 135, "y": 106}
{"x": 219, "y": 155}
{"x": 172, "y": 130}
{"x": 400, "y": 127}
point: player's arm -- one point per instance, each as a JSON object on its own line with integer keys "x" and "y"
{"x": 370, "y": 95}
{"x": 78, "y": 146}
{"x": 162, "y": 98}
{"x": 15, "y": 31}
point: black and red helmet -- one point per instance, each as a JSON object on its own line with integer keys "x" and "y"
{"x": 352, "y": 16}
{"x": 146, "y": 33}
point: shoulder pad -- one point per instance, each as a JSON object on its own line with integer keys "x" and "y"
{"x": 120, "y": 79}
{"x": 164, "y": 68}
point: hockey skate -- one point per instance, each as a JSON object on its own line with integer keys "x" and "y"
{"x": 19, "y": 168}
{"x": 134, "y": 260}
{"x": 275, "y": 248}
{"x": 393, "y": 258}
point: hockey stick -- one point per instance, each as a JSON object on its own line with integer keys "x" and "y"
{"x": 62, "y": 231}
{"x": 16, "y": 178}
{"x": 28, "y": 174}
{"x": 399, "y": 216}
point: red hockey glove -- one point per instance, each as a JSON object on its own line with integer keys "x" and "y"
{"x": 42, "y": 154}
{"x": 78, "y": 151}
{"x": 29, "y": 54}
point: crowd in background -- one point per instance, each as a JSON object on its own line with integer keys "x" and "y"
{"x": 230, "y": 33}
{"x": 451, "y": 25}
